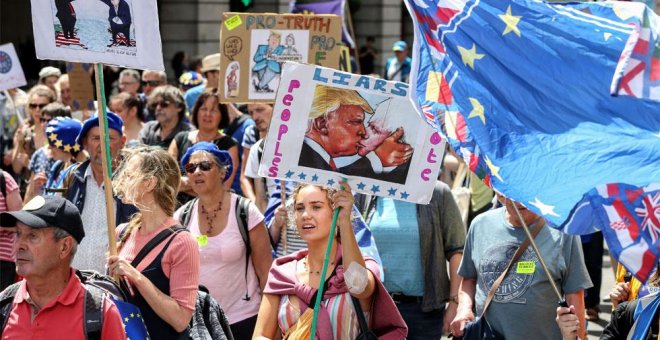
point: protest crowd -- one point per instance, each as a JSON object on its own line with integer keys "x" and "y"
{"x": 187, "y": 238}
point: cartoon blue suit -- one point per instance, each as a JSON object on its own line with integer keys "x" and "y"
{"x": 120, "y": 20}
{"x": 266, "y": 67}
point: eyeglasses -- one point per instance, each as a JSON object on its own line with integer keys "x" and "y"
{"x": 44, "y": 120}
{"x": 35, "y": 105}
{"x": 203, "y": 165}
{"x": 162, "y": 103}
{"x": 152, "y": 83}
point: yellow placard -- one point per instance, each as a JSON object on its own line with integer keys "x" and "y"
{"x": 233, "y": 22}
{"x": 526, "y": 267}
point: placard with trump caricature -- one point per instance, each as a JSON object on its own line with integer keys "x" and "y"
{"x": 329, "y": 125}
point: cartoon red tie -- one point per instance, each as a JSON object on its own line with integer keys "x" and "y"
{"x": 332, "y": 165}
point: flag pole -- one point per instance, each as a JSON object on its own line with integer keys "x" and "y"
{"x": 562, "y": 302}
{"x": 319, "y": 292}
{"x": 106, "y": 160}
{"x": 283, "y": 235}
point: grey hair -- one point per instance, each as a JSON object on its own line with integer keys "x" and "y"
{"x": 59, "y": 233}
{"x": 161, "y": 74}
{"x": 130, "y": 73}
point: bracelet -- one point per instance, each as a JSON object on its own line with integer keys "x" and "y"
{"x": 453, "y": 299}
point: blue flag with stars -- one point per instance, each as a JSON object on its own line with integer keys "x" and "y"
{"x": 132, "y": 319}
{"x": 545, "y": 102}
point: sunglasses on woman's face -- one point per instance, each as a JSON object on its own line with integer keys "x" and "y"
{"x": 203, "y": 165}
{"x": 44, "y": 120}
{"x": 35, "y": 105}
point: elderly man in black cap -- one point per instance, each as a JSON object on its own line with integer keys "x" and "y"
{"x": 50, "y": 301}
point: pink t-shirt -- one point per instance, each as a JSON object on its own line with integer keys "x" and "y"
{"x": 7, "y": 237}
{"x": 180, "y": 261}
{"x": 222, "y": 262}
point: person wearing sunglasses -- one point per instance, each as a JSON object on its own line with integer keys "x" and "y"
{"x": 170, "y": 110}
{"x": 31, "y": 136}
{"x": 150, "y": 80}
{"x": 44, "y": 158}
{"x": 234, "y": 278}
{"x": 210, "y": 117}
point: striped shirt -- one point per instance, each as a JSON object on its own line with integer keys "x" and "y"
{"x": 7, "y": 237}
{"x": 343, "y": 319}
{"x": 293, "y": 241}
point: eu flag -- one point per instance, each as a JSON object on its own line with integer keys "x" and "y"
{"x": 132, "y": 319}
{"x": 545, "y": 102}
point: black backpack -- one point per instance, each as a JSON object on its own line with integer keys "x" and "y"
{"x": 242, "y": 205}
{"x": 97, "y": 287}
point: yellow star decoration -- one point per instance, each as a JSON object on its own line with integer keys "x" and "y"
{"x": 477, "y": 110}
{"x": 76, "y": 148}
{"x": 469, "y": 56}
{"x": 494, "y": 170}
{"x": 53, "y": 137}
{"x": 67, "y": 148}
{"x": 132, "y": 315}
{"x": 511, "y": 22}
{"x": 126, "y": 319}
{"x": 58, "y": 144}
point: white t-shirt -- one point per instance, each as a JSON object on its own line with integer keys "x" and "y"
{"x": 222, "y": 264}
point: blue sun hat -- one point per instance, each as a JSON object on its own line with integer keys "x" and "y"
{"x": 62, "y": 133}
{"x": 114, "y": 122}
{"x": 399, "y": 46}
{"x": 190, "y": 79}
{"x": 221, "y": 156}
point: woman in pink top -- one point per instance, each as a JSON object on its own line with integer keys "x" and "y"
{"x": 164, "y": 283}
{"x": 234, "y": 280}
{"x": 294, "y": 279}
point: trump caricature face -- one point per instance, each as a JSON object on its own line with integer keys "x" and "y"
{"x": 344, "y": 128}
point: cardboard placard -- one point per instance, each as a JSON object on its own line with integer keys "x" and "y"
{"x": 114, "y": 32}
{"x": 255, "y": 45}
{"x": 329, "y": 125}
{"x": 80, "y": 83}
{"x": 11, "y": 72}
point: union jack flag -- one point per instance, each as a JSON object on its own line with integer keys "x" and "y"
{"x": 629, "y": 218}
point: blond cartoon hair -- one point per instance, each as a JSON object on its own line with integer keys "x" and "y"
{"x": 328, "y": 99}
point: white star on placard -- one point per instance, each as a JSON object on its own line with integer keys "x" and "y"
{"x": 545, "y": 209}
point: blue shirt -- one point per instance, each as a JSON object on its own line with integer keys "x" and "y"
{"x": 394, "y": 226}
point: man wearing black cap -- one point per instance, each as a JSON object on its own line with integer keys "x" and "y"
{"x": 49, "y": 302}
{"x": 84, "y": 187}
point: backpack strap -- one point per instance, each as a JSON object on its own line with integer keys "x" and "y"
{"x": 6, "y": 301}
{"x": 68, "y": 178}
{"x": 3, "y": 184}
{"x": 242, "y": 205}
{"x": 93, "y": 312}
{"x": 154, "y": 242}
{"x": 186, "y": 213}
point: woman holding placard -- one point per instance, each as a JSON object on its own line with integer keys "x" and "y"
{"x": 352, "y": 284}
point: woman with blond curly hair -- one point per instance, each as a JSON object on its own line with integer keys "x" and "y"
{"x": 164, "y": 277}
